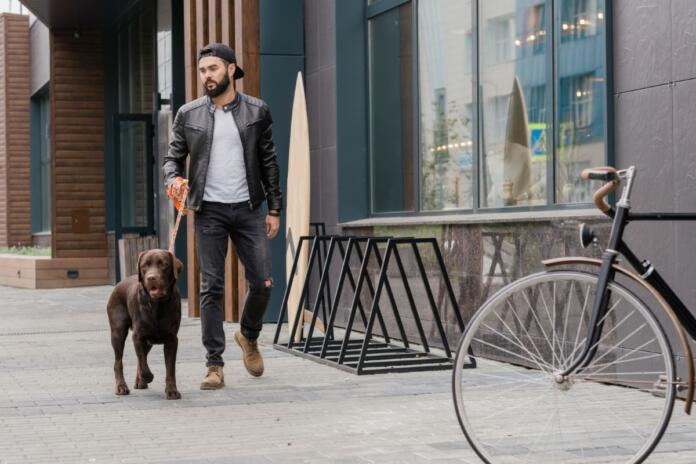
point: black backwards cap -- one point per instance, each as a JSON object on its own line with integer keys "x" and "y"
{"x": 224, "y": 52}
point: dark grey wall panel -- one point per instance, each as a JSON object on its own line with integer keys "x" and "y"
{"x": 642, "y": 43}
{"x": 326, "y": 30}
{"x": 312, "y": 80}
{"x": 278, "y": 76}
{"x": 684, "y": 39}
{"x": 352, "y": 111}
{"x": 654, "y": 71}
{"x": 682, "y": 279}
{"x": 311, "y": 33}
{"x": 644, "y": 138}
{"x": 685, "y": 146}
{"x": 320, "y": 63}
{"x": 281, "y": 31}
{"x": 685, "y": 187}
{"x": 327, "y": 99}
{"x": 328, "y": 209}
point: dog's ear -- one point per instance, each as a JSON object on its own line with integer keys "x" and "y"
{"x": 177, "y": 265}
{"x": 140, "y": 262}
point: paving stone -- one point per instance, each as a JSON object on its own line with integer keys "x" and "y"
{"x": 57, "y": 403}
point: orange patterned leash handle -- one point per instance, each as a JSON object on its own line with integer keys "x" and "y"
{"x": 180, "y": 211}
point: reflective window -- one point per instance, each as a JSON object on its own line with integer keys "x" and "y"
{"x": 137, "y": 82}
{"x": 134, "y": 156}
{"x": 513, "y": 94}
{"x": 510, "y": 103}
{"x": 446, "y": 104}
{"x": 581, "y": 18}
{"x": 135, "y": 58}
{"x": 13, "y": 6}
{"x": 581, "y": 97}
{"x": 500, "y": 39}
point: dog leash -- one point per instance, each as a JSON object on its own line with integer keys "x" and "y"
{"x": 179, "y": 214}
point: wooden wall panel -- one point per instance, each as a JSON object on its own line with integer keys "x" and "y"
{"x": 15, "y": 175}
{"x": 227, "y": 21}
{"x": 236, "y": 23}
{"x": 246, "y": 45}
{"x": 214, "y": 21}
{"x": 3, "y": 137}
{"x": 77, "y": 145}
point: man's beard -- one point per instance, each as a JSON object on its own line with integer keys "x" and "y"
{"x": 219, "y": 89}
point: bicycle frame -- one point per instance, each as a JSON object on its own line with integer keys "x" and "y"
{"x": 622, "y": 216}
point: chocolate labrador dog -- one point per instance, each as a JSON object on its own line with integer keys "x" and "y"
{"x": 148, "y": 303}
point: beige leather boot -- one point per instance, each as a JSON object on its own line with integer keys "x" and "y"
{"x": 251, "y": 355}
{"x": 214, "y": 379}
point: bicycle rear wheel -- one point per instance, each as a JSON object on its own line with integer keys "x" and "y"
{"x": 513, "y": 406}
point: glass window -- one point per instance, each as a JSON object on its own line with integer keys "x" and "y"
{"x": 45, "y": 141}
{"x": 509, "y": 124}
{"x": 137, "y": 85}
{"x": 500, "y": 39}
{"x": 135, "y": 57}
{"x": 581, "y": 97}
{"x": 134, "y": 158}
{"x": 513, "y": 96}
{"x": 391, "y": 111}
{"x": 446, "y": 104}
{"x": 164, "y": 49}
{"x": 581, "y": 18}
{"x": 41, "y": 162}
{"x": 13, "y": 6}
{"x": 534, "y": 36}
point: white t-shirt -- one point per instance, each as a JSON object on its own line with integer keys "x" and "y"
{"x": 226, "y": 181}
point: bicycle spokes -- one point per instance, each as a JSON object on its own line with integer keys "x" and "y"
{"x": 518, "y": 407}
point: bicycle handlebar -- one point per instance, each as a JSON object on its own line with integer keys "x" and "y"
{"x": 612, "y": 179}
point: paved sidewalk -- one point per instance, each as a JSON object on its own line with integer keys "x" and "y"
{"x": 57, "y": 403}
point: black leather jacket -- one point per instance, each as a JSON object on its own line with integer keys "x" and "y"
{"x": 192, "y": 132}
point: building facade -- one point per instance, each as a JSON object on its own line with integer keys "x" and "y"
{"x": 434, "y": 98}
{"x": 464, "y": 120}
{"x": 106, "y": 83}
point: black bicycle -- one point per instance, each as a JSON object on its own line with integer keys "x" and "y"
{"x": 572, "y": 364}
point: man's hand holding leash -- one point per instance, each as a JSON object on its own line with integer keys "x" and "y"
{"x": 177, "y": 191}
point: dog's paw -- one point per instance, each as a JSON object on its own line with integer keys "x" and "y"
{"x": 140, "y": 384}
{"x": 173, "y": 395}
{"x": 122, "y": 389}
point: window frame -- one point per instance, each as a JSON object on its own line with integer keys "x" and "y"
{"x": 552, "y": 19}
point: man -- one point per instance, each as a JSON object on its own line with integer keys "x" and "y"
{"x": 232, "y": 170}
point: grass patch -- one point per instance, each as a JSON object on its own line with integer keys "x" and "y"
{"x": 26, "y": 251}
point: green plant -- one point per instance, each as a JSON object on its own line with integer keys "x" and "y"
{"x": 26, "y": 251}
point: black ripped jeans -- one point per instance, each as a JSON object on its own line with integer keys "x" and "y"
{"x": 214, "y": 223}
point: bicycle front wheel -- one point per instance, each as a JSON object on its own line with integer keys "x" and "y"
{"x": 514, "y": 407}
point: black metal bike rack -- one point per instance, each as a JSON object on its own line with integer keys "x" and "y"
{"x": 366, "y": 352}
